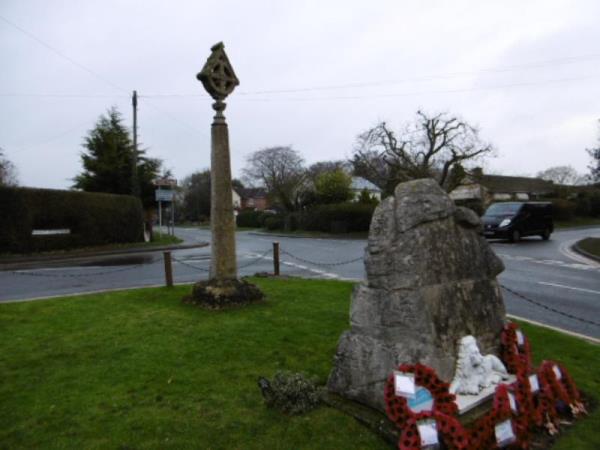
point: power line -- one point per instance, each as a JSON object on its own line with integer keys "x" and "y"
{"x": 531, "y": 65}
{"x": 61, "y": 54}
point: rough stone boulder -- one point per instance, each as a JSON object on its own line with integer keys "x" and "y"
{"x": 431, "y": 279}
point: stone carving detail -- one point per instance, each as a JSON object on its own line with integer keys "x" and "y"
{"x": 431, "y": 279}
{"x": 474, "y": 371}
{"x": 217, "y": 75}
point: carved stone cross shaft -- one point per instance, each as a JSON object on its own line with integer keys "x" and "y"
{"x": 219, "y": 80}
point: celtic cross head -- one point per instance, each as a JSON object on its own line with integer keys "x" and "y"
{"x": 217, "y": 75}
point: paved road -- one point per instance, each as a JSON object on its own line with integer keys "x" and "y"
{"x": 546, "y": 272}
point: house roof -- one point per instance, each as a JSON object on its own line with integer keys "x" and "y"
{"x": 506, "y": 184}
{"x": 359, "y": 183}
{"x": 252, "y": 192}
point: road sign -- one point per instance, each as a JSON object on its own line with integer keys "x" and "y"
{"x": 163, "y": 195}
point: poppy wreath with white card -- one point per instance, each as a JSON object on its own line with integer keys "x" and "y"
{"x": 449, "y": 431}
{"x": 561, "y": 386}
{"x": 515, "y": 349}
{"x": 397, "y": 406}
{"x": 529, "y": 395}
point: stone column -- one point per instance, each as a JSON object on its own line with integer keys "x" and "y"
{"x": 223, "y": 262}
{"x": 219, "y": 80}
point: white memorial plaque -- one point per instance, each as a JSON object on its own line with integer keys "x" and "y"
{"x": 557, "y": 372}
{"x": 534, "y": 383}
{"x": 513, "y": 402}
{"x": 404, "y": 384}
{"x": 428, "y": 433}
{"x": 504, "y": 433}
{"x": 520, "y": 338}
{"x": 422, "y": 400}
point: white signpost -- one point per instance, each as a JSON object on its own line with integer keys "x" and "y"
{"x": 165, "y": 195}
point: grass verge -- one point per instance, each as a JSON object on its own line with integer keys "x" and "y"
{"x": 577, "y": 222}
{"x": 138, "y": 369}
{"x": 590, "y": 245}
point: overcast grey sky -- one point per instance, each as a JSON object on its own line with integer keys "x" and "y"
{"x": 312, "y": 75}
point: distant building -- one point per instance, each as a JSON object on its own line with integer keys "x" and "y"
{"x": 236, "y": 199}
{"x": 254, "y": 198}
{"x": 490, "y": 188}
{"x": 360, "y": 184}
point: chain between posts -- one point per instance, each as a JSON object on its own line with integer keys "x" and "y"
{"x": 549, "y": 308}
{"x": 320, "y": 263}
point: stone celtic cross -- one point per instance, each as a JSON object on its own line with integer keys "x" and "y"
{"x": 219, "y": 80}
{"x": 217, "y": 75}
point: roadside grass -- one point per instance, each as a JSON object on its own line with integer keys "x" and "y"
{"x": 138, "y": 369}
{"x": 577, "y": 222}
{"x": 590, "y": 245}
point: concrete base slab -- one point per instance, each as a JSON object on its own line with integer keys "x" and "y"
{"x": 466, "y": 403}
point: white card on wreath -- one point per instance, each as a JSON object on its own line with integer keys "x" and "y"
{"x": 557, "y": 372}
{"x": 404, "y": 384}
{"x": 520, "y": 338}
{"x": 428, "y": 432}
{"x": 534, "y": 383}
{"x": 505, "y": 434}
{"x": 513, "y": 402}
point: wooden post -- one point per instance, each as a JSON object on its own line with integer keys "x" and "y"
{"x": 168, "y": 269}
{"x": 276, "y": 259}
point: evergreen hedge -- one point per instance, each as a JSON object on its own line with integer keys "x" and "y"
{"x": 337, "y": 217}
{"x": 92, "y": 218}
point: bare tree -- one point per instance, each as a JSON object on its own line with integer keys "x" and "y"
{"x": 595, "y": 165}
{"x": 8, "y": 171}
{"x": 281, "y": 171}
{"x": 564, "y": 175}
{"x": 428, "y": 148}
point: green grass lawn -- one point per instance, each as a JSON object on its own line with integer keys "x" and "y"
{"x": 590, "y": 245}
{"x": 577, "y": 222}
{"x": 138, "y": 369}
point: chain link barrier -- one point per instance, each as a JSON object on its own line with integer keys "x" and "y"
{"x": 320, "y": 263}
{"x": 549, "y": 308}
{"x": 202, "y": 269}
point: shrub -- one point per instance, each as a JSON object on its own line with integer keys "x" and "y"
{"x": 290, "y": 393}
{"x": 92, "y": 218}
{"x": 340, "y": 217}
{"x": 250, "y": 218}
{"x": 275, "y": 222}
{"x": 563, "y": 209}
{"x": 588, "y": 204}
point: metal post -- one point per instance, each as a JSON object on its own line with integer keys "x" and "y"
{"x": 173, "y": 215}
{"x": 168, "y": 269}
{"x": 159, "y": 217}
{"x": 276, "y": 259}
{"x": 135, "y": 187}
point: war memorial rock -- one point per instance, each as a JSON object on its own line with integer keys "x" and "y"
{"x": 431, "y": 280}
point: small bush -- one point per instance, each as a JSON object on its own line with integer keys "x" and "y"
{"x": 339, "y": 217}
{"x": 250, "y": 218}
{"x": 275, "y": 222}
{"x": 563, "y": 209}
{"x": 290, "y": 393}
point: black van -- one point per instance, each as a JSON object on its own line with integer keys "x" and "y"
{"x": 513, "y": 220}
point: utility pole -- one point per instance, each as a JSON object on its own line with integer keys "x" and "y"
{"x": 135, "y": 187}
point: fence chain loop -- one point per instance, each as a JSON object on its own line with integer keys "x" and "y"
{"x": 549, "y": 308}
{"x": 320, "y": 263}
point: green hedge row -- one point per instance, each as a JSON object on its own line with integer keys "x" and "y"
{"x": 333, "y": 218}
{"x": 92, "y": 218}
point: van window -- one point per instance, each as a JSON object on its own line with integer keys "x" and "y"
{"x": 503, "y": 209}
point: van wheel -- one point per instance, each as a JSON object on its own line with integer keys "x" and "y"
{"x": 515, "y": 236}
{"x": 546, "y": 234}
